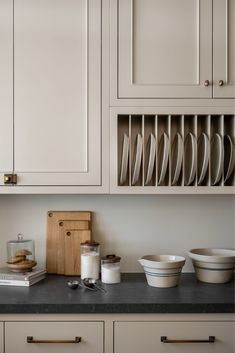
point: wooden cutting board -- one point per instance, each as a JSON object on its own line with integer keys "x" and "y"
{"x": 65, "y": 232}
{"x": 71, "y": 235}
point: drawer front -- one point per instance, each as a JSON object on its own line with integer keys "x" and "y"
{"x": 1, "y": 337}
{"x": 139, "y": 337}
{"x": 16, "y": 334}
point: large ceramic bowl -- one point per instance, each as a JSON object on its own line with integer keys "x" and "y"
{"x": 213, "y": 265}
{"x": 162, "y": 270}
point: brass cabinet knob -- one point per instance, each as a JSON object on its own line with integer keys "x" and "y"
{"x": 221, "y": 82}
{"x": 206, "y": 83}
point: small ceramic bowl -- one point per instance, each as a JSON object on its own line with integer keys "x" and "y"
{"x": 213, "y": 265}
{"x": 162, "y": 270}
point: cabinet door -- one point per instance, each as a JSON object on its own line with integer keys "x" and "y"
{"x": 224, "y": 48}
{"x": 57, "y": 94}
{"x": 164, "y": 48}
{"x": 139, "y": 337}
{"x": 91, "y": 334}
{"x": 6, "y": 87}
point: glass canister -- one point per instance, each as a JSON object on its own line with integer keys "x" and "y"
{"x": 90, "y": 259}
{"x": 110, "y": 269}
{"x": 20, "y": 254}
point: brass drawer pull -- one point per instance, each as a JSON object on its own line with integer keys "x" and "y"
{"x": 30, "y": 339}
{"x": 164, "y": 339}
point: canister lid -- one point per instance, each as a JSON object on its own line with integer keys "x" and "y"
{"x": 90, "y": 243}
{"x": 111, "y": 258}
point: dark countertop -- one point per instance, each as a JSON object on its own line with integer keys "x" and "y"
{"x": 132, "y": 295}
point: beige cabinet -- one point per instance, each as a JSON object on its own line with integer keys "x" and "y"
{"x": 174, "y": 337}
{"x": 117, "y": 333}
{"x": 224, "y": 48}
{"x": 173, "y": 49}
{"x": 6, "y": 87}
{"x": 164, "y": 48}
{"x": 57, "y": 92}
{"x": 1, "y": 338}
{"x": 54, "y": 337}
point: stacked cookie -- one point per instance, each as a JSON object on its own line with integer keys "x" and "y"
{"x": 20, "y": 263}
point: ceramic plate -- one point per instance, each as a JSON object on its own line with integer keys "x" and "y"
{"x": 176, "y": 157}
{"x": 163, "y": 157}
{"x": 190, "y": 147}
{"x": 229, "y": 157}
{"x": 150, "y": 158}
{"x": 202, "y": 156}
{"x": 216, "y": 158}
{"x": 124, "y": 162}
{"x": 137, "y": 159}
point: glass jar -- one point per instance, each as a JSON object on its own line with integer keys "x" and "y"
{"x": 20, "y": 246}
{"x": 21, "y": 254}
{"x": 110, "y": 269}
{"x": 90, "y": 260}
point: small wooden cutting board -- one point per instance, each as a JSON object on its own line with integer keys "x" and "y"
{"x": 66, "y": 230}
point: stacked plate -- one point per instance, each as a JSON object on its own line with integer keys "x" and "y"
{"x": 177, "y": 150}
{"x": 190, "y": 161}
{"x": 197, "y": 154}
{"x": 138, "y": 149}
{"x": 150, "y": 158}
{"x": 163, "y": 157}
{"x": 229, "y": 157}
{"x": 124, "y": 160}
{"x": 217, "y": 158}
{"x": 203, "y": 152}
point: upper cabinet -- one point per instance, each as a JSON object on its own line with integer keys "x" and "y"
{"x": 6, "y": 87}
{"x": 224, "y": 48}
{"x": 165, "y": 49}
{"x": 55, "y": 130}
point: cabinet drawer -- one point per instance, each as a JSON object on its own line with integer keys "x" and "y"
{"x": 1, "y": 337}
{"x": 139, "y": 337}
{"x": 16, "y": 334}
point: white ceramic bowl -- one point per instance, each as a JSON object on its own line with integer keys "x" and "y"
{"x": 213, "y": 265}
{"x": 162, "y": 270}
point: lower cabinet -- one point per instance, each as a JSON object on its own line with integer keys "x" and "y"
{"x": 117, "y": 333}
{"x": 1, "y": 337}
{"x": 54, "y": 337}
{"x": 174, "y": 337}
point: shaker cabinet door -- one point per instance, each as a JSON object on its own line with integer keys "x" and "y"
{"x": 57, "y": 92}
{"x": 6, "y": 87}
{"x": 224, "y": 48}
{"x": 164, "y": 48}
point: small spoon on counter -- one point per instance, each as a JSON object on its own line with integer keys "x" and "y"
{"x": 87, "y": 283}
{"x": 92, "y": 284}
{"x": 72, "y": 284}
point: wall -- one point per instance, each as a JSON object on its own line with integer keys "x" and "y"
{"x": 129, "y": 226}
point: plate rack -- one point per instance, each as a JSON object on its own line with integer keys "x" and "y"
{"x": 135, "y": 124}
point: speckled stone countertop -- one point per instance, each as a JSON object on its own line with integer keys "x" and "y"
{"x": 132, "y": 295}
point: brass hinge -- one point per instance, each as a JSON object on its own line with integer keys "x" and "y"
{"x": 10, "y": 179}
